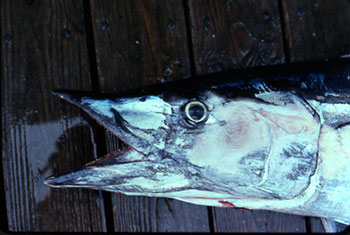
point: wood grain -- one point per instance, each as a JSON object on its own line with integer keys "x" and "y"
{"x": 139, "y": 43}
{"x": 257, "y": 221}
{"x": 158, "y": 215}
{"x": 43, "y": 47}
{"x": 317, "y": 29}
{"x": 232, "y": 34}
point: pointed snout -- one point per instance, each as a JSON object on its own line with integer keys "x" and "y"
{"x": 66, "y": 180}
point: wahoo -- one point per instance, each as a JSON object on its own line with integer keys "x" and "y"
{"x": 273, "y": 138}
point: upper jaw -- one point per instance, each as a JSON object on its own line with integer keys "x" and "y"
{"x": 125, "y": 118}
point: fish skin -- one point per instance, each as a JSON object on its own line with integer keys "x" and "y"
{"x": 271, "y": 138}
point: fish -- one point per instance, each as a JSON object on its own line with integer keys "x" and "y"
{"x": 272, "y": 137}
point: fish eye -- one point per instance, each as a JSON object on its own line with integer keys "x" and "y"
{"x": 196, "y": 112}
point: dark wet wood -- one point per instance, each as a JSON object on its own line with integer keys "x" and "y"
{"x": 231, "y": 34}
{"x": 317, "y": 29}
{"x": 315, "y": 225}
{"x": 257, "y": 221}
{"x": 158, "y": 215}
{"x": 43, "y": 47}
{"x": 140, "y": 43}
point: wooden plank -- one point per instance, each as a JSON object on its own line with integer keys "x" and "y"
{"x": 43, "y": 48}
{"x": 140, "y": 43}
{"x": 231, "y": 34}
{"x": 158, "y": 214}
{"x": 317, "y": 29}
{"x": 256, "y": 221}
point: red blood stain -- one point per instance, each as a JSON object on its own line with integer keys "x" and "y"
{"x": 231, "y": 205}
{"x": 109, "y": 155}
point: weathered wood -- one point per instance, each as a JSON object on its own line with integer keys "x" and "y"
{"x": 231, "y": 34}
{"x": 158, "y": 215}
{"x": 256, "y": 221}
{"x": 314, "y": 225}
{"x": 43, "y": 47}
{"x": 140, "y": 43}
{"x": 316, "y": 29}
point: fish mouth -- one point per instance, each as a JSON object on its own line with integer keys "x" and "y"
{"x": 110, "y": 169}
{"x": 109, "y": 172}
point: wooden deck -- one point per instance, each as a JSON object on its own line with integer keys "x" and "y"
{"x": 110, "y": 46}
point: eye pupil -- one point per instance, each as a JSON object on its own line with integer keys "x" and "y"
{"x": 196, "y": 112}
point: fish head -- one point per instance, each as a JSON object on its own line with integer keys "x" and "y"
{"x": 179, "y": 143}
{"x": 205, "y": 141}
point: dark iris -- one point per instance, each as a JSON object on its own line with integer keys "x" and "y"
{"x": 196, "y": 112}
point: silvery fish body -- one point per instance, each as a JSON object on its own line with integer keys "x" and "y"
{"x": 274, "y": 138}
